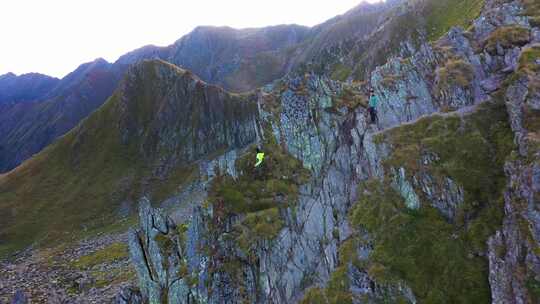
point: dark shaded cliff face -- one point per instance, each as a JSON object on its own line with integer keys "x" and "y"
{"x": 149, "y": 133}
{"x": 170, "y": 112}
{"x": 26, "y": 87}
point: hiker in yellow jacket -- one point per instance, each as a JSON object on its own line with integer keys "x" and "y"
{"x": 260, "y": 157}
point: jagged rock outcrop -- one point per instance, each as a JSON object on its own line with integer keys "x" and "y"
{"x": 158, "y": 256}
{"x": 344, "y": 243}
{"x": 513, "y": 255}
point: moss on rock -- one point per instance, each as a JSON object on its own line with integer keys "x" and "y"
{"x": 273, "y": 184}
{"x": 341, "y": 72}
{"x": 440, "y": 260}
{"x": 336, "y": 292}
{"x": 532, "y": 10}
{"x": 455, "y": 72}
{"x": 441, "y": 15}
{"x": 109, "y": 254}
{"x": 256, "y": 227}
{"x": 421, "y": 248}
{"x": 314, "y": 296}
{"x": 528, "y": 61}
{"x": 507, "y": 37}
{"x": 350, "y": 97}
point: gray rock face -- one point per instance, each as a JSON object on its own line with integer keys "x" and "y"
{"x": 337, "y": 144}
{"x": 311, "y": 247}
{"x": 513, "y": 251}
{"x": 304, "y": 126}
{"x": 496, "y": 14}
{"x": 157, "y": 255}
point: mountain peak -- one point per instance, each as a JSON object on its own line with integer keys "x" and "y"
{"x": 25, "y": 87}
{"x": 7, "y": 75}
{"x": 157, "y": 71}
{"x": 149, "y": 51}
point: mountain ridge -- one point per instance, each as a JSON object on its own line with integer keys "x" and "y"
{"x": 112, "y": 135}
{"x": 418, "y": 207}
{"x": 246, "y": 59}
{"x": 25, "y": 87}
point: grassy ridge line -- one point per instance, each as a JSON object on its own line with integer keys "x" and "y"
{"x": 48, "y": 194}
{"x": 81, "y": 182}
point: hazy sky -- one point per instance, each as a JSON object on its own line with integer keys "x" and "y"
{"x": 55, "y": 36}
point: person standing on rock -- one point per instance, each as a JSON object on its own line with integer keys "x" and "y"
{"x": 260, "y": 157}
{"x": 372, "y": 107}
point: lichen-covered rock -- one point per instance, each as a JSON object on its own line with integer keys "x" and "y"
{"x": 514, "y": 250}
{"x": 405, "y": 189}
{"x": 426, "y": 201}
{"x": 158, "y": 257}
{"x": 304, "y": 123}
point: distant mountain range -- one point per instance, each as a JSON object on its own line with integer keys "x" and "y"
{"x": 26, "y": 87}
{"x": 238, "y": 60}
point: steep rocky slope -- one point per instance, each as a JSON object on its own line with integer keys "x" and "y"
{"x": 438, "y": 203}
{"x": 431, "y": 210}
{"x": 91, "y": 271}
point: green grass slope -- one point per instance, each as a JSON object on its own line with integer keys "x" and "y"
{"x": 443, "y": 261}
{"x": 83, "y": 181}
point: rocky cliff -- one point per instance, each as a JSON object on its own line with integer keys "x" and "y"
{"x": 436, "y": 203}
